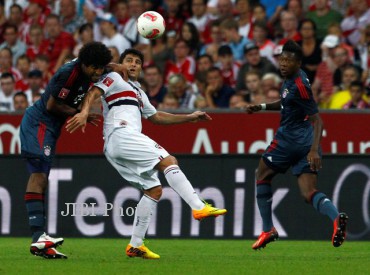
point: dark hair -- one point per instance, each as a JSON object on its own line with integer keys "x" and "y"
{"x": 153, "y": 66}
{"x": 214, "y": 69}
{"x": 84, "y": 27}
{"x": 205, "y": 56}
{"x": 305, "y": 21}
{"x": 294, "y": 48}
{"x": 95, "y": 54}
{"x": 357, "y": 83}
{"x": 7, "y": 75}
{"x": 11, "y": 26}
{"x": 224, "y": 50}
{"x": 20, "y": 94}
{"x": 134, "y": 52}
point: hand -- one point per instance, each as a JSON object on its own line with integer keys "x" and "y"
{"x": 119, "y": 68}
{"x": 93, "y": 119}
{"x": 79, "y": 120}
{"x": 314, "y": 160}
{"x": 250, "y": 109}
{"x": 199, "y": 116}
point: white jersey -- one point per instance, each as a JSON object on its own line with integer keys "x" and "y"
{"x": 124, "y": 104}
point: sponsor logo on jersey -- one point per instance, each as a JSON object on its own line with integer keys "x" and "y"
{"x": 63, "y": 93}
{"x": 108, "y": 81}
{"x": 285, "y": 93}
{"x": 123, "y": 123}
{"x": 47, "y": 150}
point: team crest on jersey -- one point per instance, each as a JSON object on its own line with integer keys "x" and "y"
{"x": 108, "y": 81}
{"x": 47, "y": 150}
{"x": 285, "y": 93}
{"x": 63, "y": 93}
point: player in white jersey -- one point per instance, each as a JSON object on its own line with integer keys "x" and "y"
{"x": 135, "y": 156}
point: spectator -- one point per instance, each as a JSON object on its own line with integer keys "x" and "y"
{"x": 136, "y": 8}
{"x": 3, "y": 21}
{"x": 323, "y": 15}
{"x": 289, "y": 25}
{"x": 266, "y": 46}
{"x": 323, "y": 85}
{"x": 191, "y": 35}
{"x": 273, "y": 8}
{"x": 270, "y": 81}
{"x": 111, "y": 37}
{"x": 35, "y": 86}
{"x": 237, "y": 102}
{"x": 334, "y": 28}
{"x": 204, "y": 62}
{"x": 6, "y": 63}
{"x": 23, "y": 66}
{"x": 90, "y": 13}
{"x": 228, "y": 66}
{"x": 178, "y": 86}
{"x": 272, "y": 95}
{"x": 20, "y": 102}
{"x": 42, "y": 63}
{"x": 255, "y": 93}
{"x": 341, "y": 97}
{"x": 13, "y": 42}
{"x": 183, "y": 63}
{"x": 225, "y": 9}
{"x": 216, "y": 39}
{"x": 16, "y": 18}
{"x": 170, "y": 102}
{"x": 201, "y": 19}
{"x": 85, "y": 35}
{"x": 161, "y": 52}
{"x": 121, "y": 12}
{"x": 217, "y": 93}
{"x": 245, "y": 18}
{"x": 7, "y": 91}
{"x": 229, "y": 28}
{"x": 115, "y": 54}
{"x": 254, "y": 62}
{"x": 59, "y": 43}
{"x": 357, "y": 101}
{"x": 174, "y": 15}
{"x": 353, "y": 24}
{"x": 153, "y": 78}
{"x": 71, "y": 21}
{"x": 36, "y": 13}
{"x": 200, "y": 84}
{"x": 311, "y": 48}
{"x": 296, "y": 7}
{"x": 37, "y": 43}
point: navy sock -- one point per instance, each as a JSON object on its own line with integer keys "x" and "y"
{"x": 264, "y": 201}
{"x": 324, "y": 206}
{"x": 36, "y": 213}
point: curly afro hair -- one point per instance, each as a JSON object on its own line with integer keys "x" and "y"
{"x": 95, "y": 54}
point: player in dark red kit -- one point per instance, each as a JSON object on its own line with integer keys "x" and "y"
{"x": 296, "y": 144}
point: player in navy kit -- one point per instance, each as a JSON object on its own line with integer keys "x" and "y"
{"x": 296, "y": 144}
{"x": 41, "y": 127}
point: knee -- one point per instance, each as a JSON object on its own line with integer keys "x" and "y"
{"x": 155, "y": 192}
{"x": 167, "y": 161}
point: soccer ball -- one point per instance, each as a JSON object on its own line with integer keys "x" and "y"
{"x": 151, "y": 25}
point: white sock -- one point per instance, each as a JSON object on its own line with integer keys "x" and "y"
{"x": 142, "y": 219}
{"x": 178, "y": 181}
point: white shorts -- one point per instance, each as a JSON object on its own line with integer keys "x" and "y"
{"x": 134, "y": 155}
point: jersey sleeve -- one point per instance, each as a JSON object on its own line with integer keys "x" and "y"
{"x": 304, "y": 97}
{"x": 148, "y": 108}
{"x": 57, "y": 85}
{"x": 108, "y": 81}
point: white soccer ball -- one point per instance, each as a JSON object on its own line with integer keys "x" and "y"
{"x": 151, "y": 25}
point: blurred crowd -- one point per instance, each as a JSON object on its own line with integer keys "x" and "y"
{"x": 214, "y": 53}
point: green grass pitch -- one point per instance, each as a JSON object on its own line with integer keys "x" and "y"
{"x": 190, "y": 256}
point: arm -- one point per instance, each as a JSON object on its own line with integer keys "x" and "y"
{"x": 79, "y": 120}
{"x": 167, "y": 118}
{"x": 313, "y": 156}
{"x": 59, "y": 109}
{"x": 272, "y": 106}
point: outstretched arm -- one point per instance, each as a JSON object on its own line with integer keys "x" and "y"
{"x": 167, "y": 118}
{"x": 80, "y": 119}
{"x": 273, "y": 106}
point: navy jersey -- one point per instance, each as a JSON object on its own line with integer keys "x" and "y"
{"x": 297, "y": 103}
{"x": 69, "y": 85}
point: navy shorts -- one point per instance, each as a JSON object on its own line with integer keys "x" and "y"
{"x": 38, "y": 140}
{"x": 282, "y": 154}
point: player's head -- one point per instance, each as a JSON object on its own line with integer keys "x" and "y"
{"x": 94, "y": 56}
{"x": 133, "y": 61}
{"x": 290, "y": 59}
